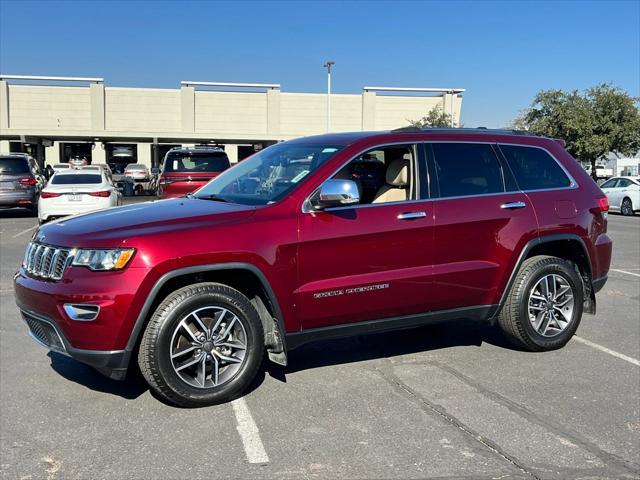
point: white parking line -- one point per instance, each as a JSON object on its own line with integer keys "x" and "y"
{"x": 624, "y": 271}
{"x": 249, "y": 433}
{"x": 25, "y": 231}
{"x": 607, "y": 350}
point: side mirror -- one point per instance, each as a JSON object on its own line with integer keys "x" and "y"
{"x": 336, "y": 193}
{"x": 155, "y": 170}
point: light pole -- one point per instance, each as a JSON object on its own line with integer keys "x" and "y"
{"x": 328, "y": 66}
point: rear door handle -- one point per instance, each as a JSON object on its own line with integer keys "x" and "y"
{"x": 411, "y": 215}
{"x": 513, "y": 205}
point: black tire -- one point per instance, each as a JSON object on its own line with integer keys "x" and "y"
{"x": 154, "y": 354}
{"x": 626, "y": 208}
{"x": 514, "y": 316}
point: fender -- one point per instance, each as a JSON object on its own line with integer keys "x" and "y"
{"x": 539, "y": 241}
{"x": 137, "y": 327}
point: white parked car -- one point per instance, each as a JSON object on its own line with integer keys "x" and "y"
{"x": 140, "y": 175}
{"x": 76, "y": 191}
{"x": 623, "y": 194}
{"x": 60, "y": 167}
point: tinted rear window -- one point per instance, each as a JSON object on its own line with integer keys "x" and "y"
{"x": 467, "y": 169}
{"x": 534, "y": 168}
{"x": 76, "y": 179}
{"x": 196, "y": 162}
{"x": 13, "y": 166}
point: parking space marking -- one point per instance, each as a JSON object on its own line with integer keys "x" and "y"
{"x": 25, "y": 231}
{"x": 607, "y": 350}
{"x": 249, "y": 433}
{"x": 624, "y": 271}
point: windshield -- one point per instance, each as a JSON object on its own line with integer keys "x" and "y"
{"x": 76, "y": 179}
{"x": 269, "y": 175}
{"x": 196, "y": 162}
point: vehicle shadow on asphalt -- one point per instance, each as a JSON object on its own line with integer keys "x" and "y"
{"x": 131, "y": 388}
{"x": 390, "y": 344}
{"x": 16, "y": 213}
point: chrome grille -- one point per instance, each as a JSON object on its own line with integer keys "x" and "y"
{"x": 46, "y": 261}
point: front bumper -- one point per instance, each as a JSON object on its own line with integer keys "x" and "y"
{"x": 46, "y": 332}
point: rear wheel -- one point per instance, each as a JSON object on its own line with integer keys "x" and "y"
{"x": 203, "y": 345}
{"x": 544, "y": 306}
{"x": 627, "y": 207}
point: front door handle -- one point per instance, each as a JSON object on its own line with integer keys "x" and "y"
{"x": 411, "y": 215}
{"x": 513, "y": 205}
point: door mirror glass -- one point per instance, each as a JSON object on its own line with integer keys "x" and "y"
{"x": 336, "y": 193}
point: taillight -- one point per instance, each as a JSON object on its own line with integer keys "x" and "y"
{"x": 104, "y": 193}
{"x": 603, "y": 204}
{"x": 49, "y": 195}
{"x": 28, "y": 181}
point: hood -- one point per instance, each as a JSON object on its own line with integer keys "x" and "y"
{"x": 115, "y": 226}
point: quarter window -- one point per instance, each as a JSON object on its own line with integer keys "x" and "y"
{"x": 465, "y": 169}
{"x": 534, "y": 168}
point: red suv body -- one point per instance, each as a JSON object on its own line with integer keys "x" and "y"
{"x": 184, "y": 170}
{"x": 487, "y": 225}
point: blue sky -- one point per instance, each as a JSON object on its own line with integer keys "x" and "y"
{"x": 502, "y": 52}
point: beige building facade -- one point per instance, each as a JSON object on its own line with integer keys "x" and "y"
{"x": 54, "y": 119}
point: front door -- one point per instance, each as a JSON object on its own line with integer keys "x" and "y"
{"x": 373, "y": 260}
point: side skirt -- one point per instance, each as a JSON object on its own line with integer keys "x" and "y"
{"x": 480, "y": 312}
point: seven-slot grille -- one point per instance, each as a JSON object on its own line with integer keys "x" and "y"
{"x": 46, "y": 261}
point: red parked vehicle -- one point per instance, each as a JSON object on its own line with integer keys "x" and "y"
{"x": 307, "y": 240}
{"x": 184, "y": 170}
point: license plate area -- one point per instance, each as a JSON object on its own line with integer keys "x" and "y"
{"x": 74, "y": 198}
{"x": 6, "y": 185}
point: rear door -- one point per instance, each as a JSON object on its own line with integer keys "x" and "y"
{"x": 481, "y": 222}
{"x": 368, "y": 261}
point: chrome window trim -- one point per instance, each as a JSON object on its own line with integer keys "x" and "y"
{"x": 305, "y": 208}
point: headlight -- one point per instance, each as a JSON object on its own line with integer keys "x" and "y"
{"x": 98, "y": 259}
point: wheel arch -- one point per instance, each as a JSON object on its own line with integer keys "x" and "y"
{"x": 567, "y": 246}
{"x": 245, "y": 277}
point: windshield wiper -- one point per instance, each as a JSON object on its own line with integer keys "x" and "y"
{"x": 212, "y": 197}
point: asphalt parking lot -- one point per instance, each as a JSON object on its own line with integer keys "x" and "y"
{"x": 447, "y": 401}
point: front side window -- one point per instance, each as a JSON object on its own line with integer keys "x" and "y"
{"x": 611, "y": 183}
{"x": 268, "y": 175}
{"x": 465, "y": 169}
{"x": 383, "y": 175}
{"x": 534, "y": 168}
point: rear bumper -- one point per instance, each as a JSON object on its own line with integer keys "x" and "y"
{"x": 598, "y": 283}
{"x": 17, "y": 198}
{"x": 46, "y": 332}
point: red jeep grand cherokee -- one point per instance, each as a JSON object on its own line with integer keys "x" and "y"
{"x": 185, "y": 170}
{"x": 322, "y": 237}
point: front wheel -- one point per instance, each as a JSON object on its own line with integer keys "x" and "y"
{"x": 203, "y": 345}
{"x": 627, "y": 207}
{"x": 544, "y": 306}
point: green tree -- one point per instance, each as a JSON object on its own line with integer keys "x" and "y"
{"x": 435, "y": 118}
{"x": 603, "y": 119}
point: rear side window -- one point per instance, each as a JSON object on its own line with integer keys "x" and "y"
{"x": 76, "y": 179}
{"x": 534, "y": 168}
{"x": 467, "y": 169}
{"x": 13, "y": 166}
{"x": 196, "y": 162}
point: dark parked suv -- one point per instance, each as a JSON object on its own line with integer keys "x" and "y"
{"x": 323, "y": 237}
{"x": 20, "y": 181}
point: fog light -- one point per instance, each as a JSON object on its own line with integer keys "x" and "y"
{"x": 81, "y": 312}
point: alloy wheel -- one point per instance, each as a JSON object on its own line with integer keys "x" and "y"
{"x": 208, "y": 347}
{"x": 551, "y": 305}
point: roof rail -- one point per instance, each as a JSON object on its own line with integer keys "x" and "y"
{"x": 492, "y": 131}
